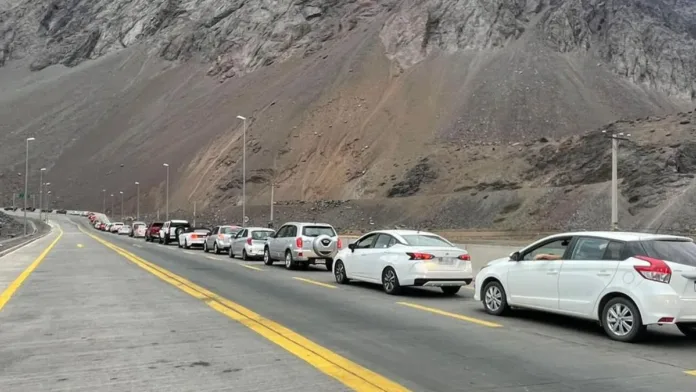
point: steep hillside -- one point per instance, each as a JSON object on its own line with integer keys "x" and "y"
{"x": 346, "y": 99}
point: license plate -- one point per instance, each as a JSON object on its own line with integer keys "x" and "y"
{"x": 445, "y": 261}
{"x": 320, "y": 260}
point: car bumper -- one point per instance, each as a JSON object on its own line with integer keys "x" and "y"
{"x": 224, "y": 245}
{"x": 309, "y": 255}
{"x": 196, "y": 242}
{"x": 666, "y": 308}
{"x": 437, "y": 279}
{"x": 253, "y": 251}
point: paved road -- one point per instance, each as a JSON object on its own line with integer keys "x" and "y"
{"x": 423, "y": 341}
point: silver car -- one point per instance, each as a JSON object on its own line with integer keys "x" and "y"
{"x": 220, "y": 239}
{"x": 301, "y": 244}
{"x": 250, "y": 242}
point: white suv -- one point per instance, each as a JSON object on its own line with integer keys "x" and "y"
{"x": 302, "y": 244}
{"x": 626, "y": 281}
{"x": 168, "y": 231}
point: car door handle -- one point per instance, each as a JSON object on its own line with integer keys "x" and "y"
{"x": 552, "y": 272}
{"x": 602, "y": 273}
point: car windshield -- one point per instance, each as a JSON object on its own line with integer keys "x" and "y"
{"x": 202, "y": 231}
{"x": 261, "y": 234}
{"x": 676, "y": 251}
{"x": 180, "y": 224}
{"x": 316, "y": 231}
{"x": 158, "y": 224}
{"x": 228, "y": 230}
{"x": 425, "y": 240}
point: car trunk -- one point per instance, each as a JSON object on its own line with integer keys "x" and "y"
{"x": 445, "y": 259}
{"x": 680, "y": 256}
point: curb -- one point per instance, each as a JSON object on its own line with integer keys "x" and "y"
{"x": 26, "y": 242}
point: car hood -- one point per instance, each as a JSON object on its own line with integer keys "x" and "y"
{"x": 498, "y": 261}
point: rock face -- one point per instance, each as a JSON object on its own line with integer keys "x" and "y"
{"x": 463, "y": 108}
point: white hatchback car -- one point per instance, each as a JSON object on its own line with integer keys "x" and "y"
{"x": 397, "y": 258}
{"x": 250, "y": 242}
{"x": 625, "y": 281}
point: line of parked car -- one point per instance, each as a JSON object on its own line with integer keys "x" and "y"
{"x": 624, "y": 281}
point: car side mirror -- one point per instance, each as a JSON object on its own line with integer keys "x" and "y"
{"x": 515, "y": 256}
{"x": 351, "y": 247}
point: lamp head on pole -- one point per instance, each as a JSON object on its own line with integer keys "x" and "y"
{"x": 137, "y": 183}
{"x": 43, "y": 169}
{"x": 120, "y": 192}
{"x": 241, "y": 117}
{"x": 165, "y": 164}
{"x": 31, "y": 139}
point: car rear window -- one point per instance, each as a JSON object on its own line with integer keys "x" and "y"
{"x": 228, "y": 230}
{"x": 425, "y": 240}
{"x": 158, "y": 224}
{"x": 203, "y": 231}
{"x": 316, "y": 231}
{"x": 676, "y": 251}
{"x": 180, "y": 224}
{"x": 261, "y": 235}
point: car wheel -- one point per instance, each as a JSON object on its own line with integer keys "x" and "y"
{"x": 687, "y": 329}
{"x": 390, "y": 281}
{"x": 267, "y": 257}
{"x": 289, "y": 262}
{"x": 340, "y": 273}
{"x": 166, "y": 239}
{"x": 329, "y": 264}
{"x": 186, "y": 245}
{"x": 622, "y": 321}
{"x": 494, "y": 299}
{"x": 450, "y": 290}
{"x": 244, "y": 255}
{"x": 205, "y": 246}
{"x": 231, "y": 253}
{"x": 216, "y": 250}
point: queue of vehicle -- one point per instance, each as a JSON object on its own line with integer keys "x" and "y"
{"x": 624, "y": 281}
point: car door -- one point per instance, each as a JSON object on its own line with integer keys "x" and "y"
{"x": 276, "y": 243}
{"x": 360, "y": 256}
{"x": 289, "y": 239}
{"x": 533, "y": 282}
{"x": 238, "y": 241}
{"x": 164, "y": 230}
{"x": 210, "y": 239}
{"x": 587, "y": 272}
{"x": 379, "y": 256}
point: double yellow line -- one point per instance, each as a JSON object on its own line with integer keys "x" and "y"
{"x": 342, "y": 369}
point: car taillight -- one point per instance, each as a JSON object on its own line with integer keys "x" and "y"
{"x": 420, "y": 256}
{"x": 194, "y": 236}
{"x": 464, "y": 257}
{"x": 248, "y": 241}
{"x": 657, "y": 271}
{"x": 339, "y": 244}
{"x": 221, "y": 236}
{"x": 298, "y": 242}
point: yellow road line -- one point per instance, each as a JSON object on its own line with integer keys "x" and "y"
{"x": 691, "y": 372}
{"x": 316, "y": 283}
{"x": 251, "y": 267}
{"x": 453, "y": 315}
{"x": 80, "y": 246}
{"x": 342, "y": 369}
{"x": 12, "y": 288}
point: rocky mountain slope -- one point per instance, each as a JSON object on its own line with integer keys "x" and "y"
{"x": 405, "y": 105}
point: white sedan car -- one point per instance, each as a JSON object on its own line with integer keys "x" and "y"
{"x": 115, "y": 227}
{"x": 397, "y": 258}
{"x": 626, "y": 281}
{"x": 124, "y": 230}
{"x": 193, "y": 237}
{"x": 249, "y": 242}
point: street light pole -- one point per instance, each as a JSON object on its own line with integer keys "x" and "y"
{"x": 615, "y": 176}
{"x": 43, "y": 169}
{"x": 47, "y": 202}
{"x": 26, "y": 183}
{"x": 167, "y": 203}
{"x": 137, "y": 200}
{"x": 121, "y": 192}
{"x": 104, "y": 203}
{"x": 112, "y": 205}
{"x": 243, "y": 171}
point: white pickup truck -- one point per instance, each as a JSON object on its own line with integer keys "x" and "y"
{"x": 168, "y": 232}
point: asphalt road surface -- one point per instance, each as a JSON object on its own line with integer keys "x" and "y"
{"x": 420, "y": 341}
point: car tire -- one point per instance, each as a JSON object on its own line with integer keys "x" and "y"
{"x": 231, "y": 253}
{"x": 244, "y": 255}
{"x": 289, "y": 262}
{"x": 186, "y": 245}
{"x": 267, "y": 257}
{"x": 178, "y": 244}
{"x": 689, "y": 330}
{"x": 494, "y": 299}
{"x": 329, "y": 264}
{"x": 205, "y": 246}
{"x": 340, "y": 273}
{"x": 450, "y": 290}
{"x": 615, "y": 320}
{"x": 216, "y": 250}
{"x": 390, "y": 281}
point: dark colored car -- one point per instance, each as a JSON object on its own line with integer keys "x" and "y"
{"x": 152, "y": 231}
{"x": 62, "y": 212}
